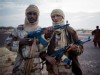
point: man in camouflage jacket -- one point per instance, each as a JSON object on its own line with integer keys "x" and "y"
{"x": 26, "y": 46}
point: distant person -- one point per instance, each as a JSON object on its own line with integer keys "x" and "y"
{"x": 96, "y": 34}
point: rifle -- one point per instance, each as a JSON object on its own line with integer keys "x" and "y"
{"x": 37, "y": 34}
{"x": 59, "y": 54}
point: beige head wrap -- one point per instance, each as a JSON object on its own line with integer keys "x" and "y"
{"x": 63, "y": 36}
{"x": 58, "y": 12}
{"x": 32, "y": 8}
{"x": 31, "y": 26}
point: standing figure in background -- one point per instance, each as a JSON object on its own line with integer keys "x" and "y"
{"x": 96, "y": 34}
{"x": 27, "y": 61}
{"x": 60, "y": 39}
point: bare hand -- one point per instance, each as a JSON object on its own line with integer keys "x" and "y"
{"x": 48, "y": 32}
{"x": 73, "y": 47}
{"x": 51, "y": 60}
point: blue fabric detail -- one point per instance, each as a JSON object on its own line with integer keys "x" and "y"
{"x": 37, "y": 34}
{"x": 68, "y": 61}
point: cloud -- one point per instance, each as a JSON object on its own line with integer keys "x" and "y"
{"x": 11, "y": 17}
{"x": 11, "y": 5}
{"x": 12, "y": 11}
{"x": 69, "y": 5}
{"x": 11, "y": 8}
{"x": 84, "y": 20}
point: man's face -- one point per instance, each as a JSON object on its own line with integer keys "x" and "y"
{"x": 32, "y": 16}
{"x": 56, "y": 18}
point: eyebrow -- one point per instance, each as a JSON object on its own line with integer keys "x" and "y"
{"x": 32, "y": 13}
{"x": 55, "y": 15}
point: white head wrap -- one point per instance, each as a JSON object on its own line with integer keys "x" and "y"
{"x": 31, "y": 26}
{"x": 58, "y": 12}
{"x": 63, "y": 35}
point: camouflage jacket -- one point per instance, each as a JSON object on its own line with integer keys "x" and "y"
{"x": 23, "y": 52}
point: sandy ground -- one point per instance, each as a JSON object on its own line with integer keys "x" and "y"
{"x": 7, "y": 59}
{"x": 89, "y": 60}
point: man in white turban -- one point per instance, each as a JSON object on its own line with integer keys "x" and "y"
{"x": 27, "y": 60}
{"x": 61, "y": 38}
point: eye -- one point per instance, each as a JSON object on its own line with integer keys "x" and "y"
{"x": 56, "y": 16}
{"x": 31, "y": 13}
{"x": 53, "y": 16}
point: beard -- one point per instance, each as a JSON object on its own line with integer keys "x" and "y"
{"x": 32, "y": 20}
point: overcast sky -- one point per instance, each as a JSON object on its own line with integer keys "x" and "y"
{"x": 12, "y": 11}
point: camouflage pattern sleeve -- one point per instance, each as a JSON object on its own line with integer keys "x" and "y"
{"x": 12, "y": 42}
